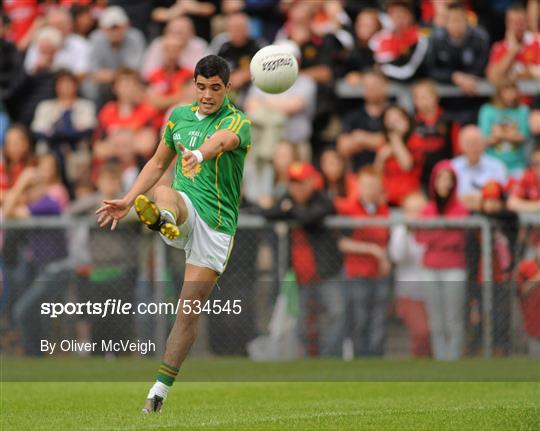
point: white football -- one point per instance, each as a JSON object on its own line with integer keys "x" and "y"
{"x": 274, "y": 69}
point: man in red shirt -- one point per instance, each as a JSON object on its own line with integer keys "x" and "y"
{"x": 399, "y": 51}
{"x": 518, "y": 55}
{"x": 367, "y": 266}
{"x": 525, "y": 196}
{"x": 128, "y": 111}
{"x": 169, "y": 83}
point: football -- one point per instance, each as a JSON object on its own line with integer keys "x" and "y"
{"x": 274, "y": 69}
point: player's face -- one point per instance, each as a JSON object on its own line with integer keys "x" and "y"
{"x": 210, "y": 93}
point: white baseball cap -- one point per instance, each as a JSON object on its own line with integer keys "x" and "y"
{"x": 113, "y": 16}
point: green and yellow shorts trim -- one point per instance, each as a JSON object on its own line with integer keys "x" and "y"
{"x": 204, "y": 246}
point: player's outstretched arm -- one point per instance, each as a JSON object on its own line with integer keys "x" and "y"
{"x": 114, "y": 210}
{"x": 221, "y": 141}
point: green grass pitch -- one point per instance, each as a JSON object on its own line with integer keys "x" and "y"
{"x": 362, "y": 395}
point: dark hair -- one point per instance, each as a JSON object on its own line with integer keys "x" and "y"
{"x": 457, "y": 5}
{"x": 27, "y": 135}
{"x": 516, "y": 6}
{"x": 341, "y": 182}
{"x": 5, "y": 18}
{"x": 213, "y": 65}
{"x": 405, "y": 114}
{"x": 407, "y": 4}
{"x": 124, "y": 72}
{"x": 500, "y": 87}
{"x": 65, "y": 73}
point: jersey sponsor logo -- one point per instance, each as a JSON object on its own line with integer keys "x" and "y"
{"x": 176, "y": 137}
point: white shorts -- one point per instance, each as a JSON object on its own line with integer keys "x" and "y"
{"x": 204, "y": 246}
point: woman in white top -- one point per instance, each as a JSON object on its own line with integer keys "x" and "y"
{"x": 406, "y": 253}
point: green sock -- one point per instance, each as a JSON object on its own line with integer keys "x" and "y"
{"x": 166, "y": 374}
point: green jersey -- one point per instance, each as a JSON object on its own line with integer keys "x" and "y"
{"x": 215, "y": 188}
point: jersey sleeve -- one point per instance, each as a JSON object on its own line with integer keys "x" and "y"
{"x": 240, "y": 126}
{"x": 168, "y": 131}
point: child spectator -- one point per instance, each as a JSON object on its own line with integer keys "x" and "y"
{"x": 398, "y": 165}
{"x": 406, "y": 253}
{"x": 367, "y": 267}
{"x": 339, "y": 182}
{"x": 528, "y": 285}
{"x": 518, "y": 55}
{"x": 360, "y": 58}
{"x": 129, "y": 111}
{"x": 458, "y": 53}
{"x": 505, "y": 125}
{"x": 362, "y": 132}
{"x": 401, "y": 50}
{"x": 431, "y": 135}
{"x": 525, "y": 195}
{"x": 17, "y": 155}
{"x": 504, "y": 229}
{"x": 444, "y": 260}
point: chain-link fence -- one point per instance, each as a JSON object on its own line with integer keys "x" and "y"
{"x": 301, "y": 291}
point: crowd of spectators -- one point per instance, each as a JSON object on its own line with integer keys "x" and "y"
{"x": 85, "y": 88}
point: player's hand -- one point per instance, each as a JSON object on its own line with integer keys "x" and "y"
{"x": 189, "y": 161}
{"x": 112, "y": 212}
{"x": 190, "y": 164}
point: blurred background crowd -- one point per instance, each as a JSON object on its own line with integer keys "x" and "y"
{"x": 428, "y": 109}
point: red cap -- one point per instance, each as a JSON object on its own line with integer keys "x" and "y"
{"x": 301, "y": 171}
{"x": 492, "y": 190}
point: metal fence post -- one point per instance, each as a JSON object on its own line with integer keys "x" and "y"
{"x": 487, "y": 289}
{"x": 159, "y": 279}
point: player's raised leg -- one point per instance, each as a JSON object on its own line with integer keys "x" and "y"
{"x": 198, "y": 284}
{"x": 165, "y": 214}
